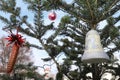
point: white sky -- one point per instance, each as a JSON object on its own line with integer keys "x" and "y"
{"x": 38, "y": 54}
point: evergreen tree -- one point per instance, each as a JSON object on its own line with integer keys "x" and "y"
{"x": 83, "y": 15}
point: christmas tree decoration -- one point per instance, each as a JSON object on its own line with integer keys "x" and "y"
{"x": 17, "y": 41}
{"x": 52, "y": 15}
{"x": 48, "y": 74}
{"x": 94, "y": 52}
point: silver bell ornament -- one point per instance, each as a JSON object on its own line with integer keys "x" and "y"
{"x": 94, "y": 52}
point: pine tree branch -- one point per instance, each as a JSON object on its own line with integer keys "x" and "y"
{"x": 53, "y": 36}
{"x": 70, "y": 9}
{"x": 89, "y": 7}
{"x": 27, "y": 32}
{"x": 28, "y": 25}
{"x": 113, "y": 50}
{"x": 81, "y": 27}
{"x": 117, "y": 19}
{"x": 75, "y": 29}
{"x": 113, "y": 10}
{"x": 44, "y": 29}
{"x": 7, "y": 6}
{"x": 35, "y": 46}
{"x": 108, "y": 10}
{"x": 5, "y": 20}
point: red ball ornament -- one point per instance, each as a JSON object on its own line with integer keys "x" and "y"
{"x": 52, "y": 16}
